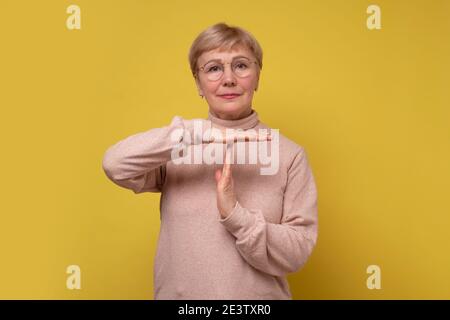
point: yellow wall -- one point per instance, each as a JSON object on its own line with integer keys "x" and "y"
{"x": 371, "y": 107}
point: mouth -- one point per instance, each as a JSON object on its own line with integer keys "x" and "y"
{"x": 229, "y": 96}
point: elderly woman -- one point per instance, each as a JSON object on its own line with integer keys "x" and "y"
{"x": 227, "y": 231}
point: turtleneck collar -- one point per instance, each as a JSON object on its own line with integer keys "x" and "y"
{"x": 248, "y": 122}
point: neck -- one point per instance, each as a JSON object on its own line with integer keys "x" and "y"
{"x": 250, "y": 120}
{"x": 227, "y": 116}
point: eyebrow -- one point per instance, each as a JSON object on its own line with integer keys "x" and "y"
{"x": 219, "y": 60}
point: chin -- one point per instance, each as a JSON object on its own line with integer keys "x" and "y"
{"x": 231, "y": 111}
{"x": 231, "y": 108}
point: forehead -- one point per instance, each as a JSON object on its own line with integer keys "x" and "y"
{"x": 224, "y": 55}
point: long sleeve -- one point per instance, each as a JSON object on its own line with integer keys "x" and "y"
{"x": 278, "y": 249}
{"x": 138, "y": 162}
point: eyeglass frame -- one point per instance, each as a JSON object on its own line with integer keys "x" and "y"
{"x": 223, "y": 64}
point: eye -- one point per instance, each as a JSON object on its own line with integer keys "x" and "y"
{"x": 213, "y": 68}
{"x": 241, "y": 65}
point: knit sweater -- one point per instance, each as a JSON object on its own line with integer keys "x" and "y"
{"x": 271, "y": 231}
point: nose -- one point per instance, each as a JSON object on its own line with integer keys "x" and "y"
{"x": 228, "y": 79}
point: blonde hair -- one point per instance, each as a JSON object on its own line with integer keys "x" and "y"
{"x": 224, "y": 37}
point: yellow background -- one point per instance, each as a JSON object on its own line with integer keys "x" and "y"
{"x": 371, "y": 107}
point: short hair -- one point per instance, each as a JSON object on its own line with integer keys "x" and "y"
{"x": 225, "y": 37}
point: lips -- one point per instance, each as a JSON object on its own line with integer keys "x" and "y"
{"x": 229, "y": 96}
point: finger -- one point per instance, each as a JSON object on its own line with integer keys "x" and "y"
{"x": 224, "y": 172}
{"x": 228, "y": 153}
{"x": 265, "y": 137}
{"x": 227, "y": 171}
{"x": 246, "y": 138}
{"x": 228, "y": 164}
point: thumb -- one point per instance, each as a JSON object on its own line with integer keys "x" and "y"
{"x": 218, "y": 175}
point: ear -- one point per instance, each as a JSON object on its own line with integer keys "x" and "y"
{"x": 199, "y": 86}
{"x": 257, "y": 80}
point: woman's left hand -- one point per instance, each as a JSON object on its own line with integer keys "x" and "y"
{"x": 226, "y": 197}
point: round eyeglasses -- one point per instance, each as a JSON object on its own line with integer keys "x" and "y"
{"x": 241, "y": 67}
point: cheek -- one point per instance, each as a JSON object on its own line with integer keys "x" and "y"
{"x": 212, "y": 87}
{"x": 249, "y": 83}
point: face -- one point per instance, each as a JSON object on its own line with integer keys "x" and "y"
{"x": 214, "y": 90}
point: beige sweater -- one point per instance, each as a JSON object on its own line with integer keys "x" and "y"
{"x": 271, "y": 231}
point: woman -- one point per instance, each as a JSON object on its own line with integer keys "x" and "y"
{"x": 227, "y": 232}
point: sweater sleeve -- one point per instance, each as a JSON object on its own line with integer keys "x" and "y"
{"x": 278, "y": 249}
{"x": 138, "y": 161}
